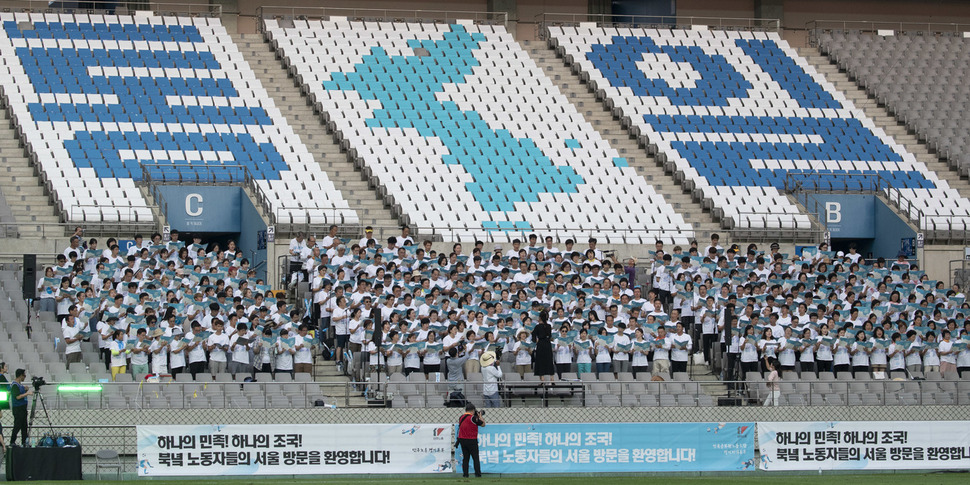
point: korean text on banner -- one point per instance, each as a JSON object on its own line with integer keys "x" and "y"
{"x": 315, "y": 449}
{"x": 615, "y": 447}
{"x": 864, "y": 445}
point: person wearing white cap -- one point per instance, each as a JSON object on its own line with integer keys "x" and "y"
{"x": 491, "y": 375}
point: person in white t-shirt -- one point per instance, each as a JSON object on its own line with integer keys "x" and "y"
{"x": 73, "y": 335}
{"x": 564, "y": 352}
{"x": 284, "y": 354}
{"x": 139, "y": 354}
{"x": 303, "y": 358}
{"x": 340, "y": 320}
{"x": 159, "y": 353}
{"x": 240, "y": 345}
{"x": 217, "y": 344}
{"x": 621, "y": 356}
{"x": 681, "y": 345}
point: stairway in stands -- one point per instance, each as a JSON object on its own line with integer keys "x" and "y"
{"x": 884, "y": 119}
{"x": 25, "y": 194}
{"x": 603, "y": 121}
{"x": 309, "y": 126}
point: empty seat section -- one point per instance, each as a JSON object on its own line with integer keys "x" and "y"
{"x": 467, "y": 135}
{"x": 101, "y": 98}
{"x": 736, "y": 110}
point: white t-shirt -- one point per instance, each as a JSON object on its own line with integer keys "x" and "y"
{"x": 240, "y": 353}
{"x": 340, "y": 318}
{"x": 677, "y": 354}
{"x": 522, "y": 355}
{"x": 177, "y": 359}
{"x": 284, "y": 360}
{"x": 71, "y": 332}
{"x": 304, "y": 355}
{"x": 217, "y": 354}
{"x": 356, "y": 329}
{"x": 159, "y": 360}
{"x": 620, "y": 339}
{"x": 140, "y": 358}
{"x": 121, "y": 358}
{"x": 564, "y": 353}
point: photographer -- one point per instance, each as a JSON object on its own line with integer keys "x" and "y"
{"x": 491, "y": 374}
{"x": 19, "y": 393}
{"x": 468, "y": 425}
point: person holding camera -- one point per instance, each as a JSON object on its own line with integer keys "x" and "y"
{"x": 491, "y": 375}
{"x": 19, "y": 393}
{"x": 468, "y": 425}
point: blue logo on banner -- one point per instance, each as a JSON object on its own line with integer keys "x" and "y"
{"x": 616, "y": 447}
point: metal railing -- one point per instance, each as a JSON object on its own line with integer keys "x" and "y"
{"x": 816, "y": 27}
{"x": 417, "y": 391}
{"x": 762, "y": 226}
{"x": 124, "y": 213}
{"x": 953, "y": 227}
{"x": 377, "y": 15}
{"x": 544, "y": 20}
{"x": 190, "y": 9}
{"x": 49, "y": 230}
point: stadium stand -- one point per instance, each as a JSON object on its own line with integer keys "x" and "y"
{"x": 402, "y": 96}
{"x": 481, "y": 302}
{"x": 464, "y": 113}
{"x": 102, "y": 100}
{"x": 918, "y": 77}
{"x": 735, "y": 112}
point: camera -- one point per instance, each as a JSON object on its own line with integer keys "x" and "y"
{"x": 481, "y": 412}
{"x": 38, "y": 382}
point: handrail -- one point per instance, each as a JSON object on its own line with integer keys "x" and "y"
{"x": 75, "y": 212}
{"x": 109, "y": 7}
{"x": 378, "y": 15}
{"x": 874, "y": 183}
{"x": 544, "y": 20}
{"x": 518, "y": 392}
{"x": 815, "y": 27}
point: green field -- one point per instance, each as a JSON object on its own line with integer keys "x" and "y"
{"x": 755, "y": 478}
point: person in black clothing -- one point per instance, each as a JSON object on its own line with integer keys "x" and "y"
{"x": 543, "y": 357}
{"x": 5, "y": 405}
{"x": 19, "y": 393}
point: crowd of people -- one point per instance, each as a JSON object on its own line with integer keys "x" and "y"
{"x": 402, "y": 307}
{"x": 168, "y": 307}
{"x": 814, "y": 312}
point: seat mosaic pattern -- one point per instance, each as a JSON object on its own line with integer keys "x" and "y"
{"x": 736, "y": 112}
{"x": 97, "y": 97}
{"x": 463, "y": 130}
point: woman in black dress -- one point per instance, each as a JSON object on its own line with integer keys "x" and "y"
{"x": 543, "y": 357}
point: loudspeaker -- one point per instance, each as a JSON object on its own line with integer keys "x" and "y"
{"x": 30, "y": 277}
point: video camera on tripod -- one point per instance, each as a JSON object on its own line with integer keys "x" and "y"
{"x": 38, "y": 382}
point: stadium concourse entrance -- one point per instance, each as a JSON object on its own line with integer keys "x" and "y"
{"x": 216, "y": 214}
{"x": 862, "y": 220}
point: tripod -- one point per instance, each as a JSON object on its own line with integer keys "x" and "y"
{"x": 33, "y": 412}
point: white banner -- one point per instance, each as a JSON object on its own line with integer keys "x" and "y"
{"x": 864, "y": 445}
{"x": 315, "y": 449}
